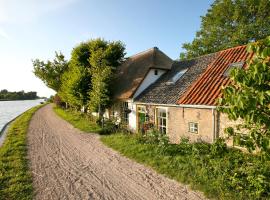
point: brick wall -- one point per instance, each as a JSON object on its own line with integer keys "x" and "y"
{"x": 178, "y": 124}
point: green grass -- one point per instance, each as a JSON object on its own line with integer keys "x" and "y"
{"x": 220, "y": 174}
{"x": 15, "y": 177}
{"x": 78, "y": 120}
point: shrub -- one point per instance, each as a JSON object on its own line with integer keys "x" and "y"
{"x": 109, "y": 127}
{"x": 153, "y": 136}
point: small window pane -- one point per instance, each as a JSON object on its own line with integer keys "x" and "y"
{"x": 193, "y": 127}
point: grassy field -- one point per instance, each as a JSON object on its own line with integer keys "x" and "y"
{"x": 15, "y": 178}
{"x": 78, "y": 120}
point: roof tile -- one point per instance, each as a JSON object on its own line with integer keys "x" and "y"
{"x": 207, "y": 88}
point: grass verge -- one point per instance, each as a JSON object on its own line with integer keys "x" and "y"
{"x": 219, "y": 172}
{"x": 78, "y": 120}
{"x": 15, "y": 177}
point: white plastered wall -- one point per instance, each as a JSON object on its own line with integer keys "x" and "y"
{"x": 148, "y": 80}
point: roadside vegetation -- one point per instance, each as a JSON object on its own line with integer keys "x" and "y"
{"x": 15, "y": 177}
{"x": 78, "y": 120}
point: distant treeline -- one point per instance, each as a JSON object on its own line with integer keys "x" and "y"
{"x": 21, "y": 95}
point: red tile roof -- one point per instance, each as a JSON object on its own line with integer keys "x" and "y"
{"x": 207, "y": 88}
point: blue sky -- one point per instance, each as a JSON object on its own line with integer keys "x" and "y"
{"x": 36, "y": 28}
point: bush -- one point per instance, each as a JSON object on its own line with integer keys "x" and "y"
{"x": 153, "y": 136}
{"x": 109, "y": 127}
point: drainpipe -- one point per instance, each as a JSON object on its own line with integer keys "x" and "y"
{"x": 214, "y": 124}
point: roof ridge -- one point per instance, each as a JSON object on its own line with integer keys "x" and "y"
{"x": 208, "y": 54}
{"x": 236, "y": 47}
{"x": 142, "y": 52}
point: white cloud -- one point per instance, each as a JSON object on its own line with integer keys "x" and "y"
{"x": 23, "y": 11}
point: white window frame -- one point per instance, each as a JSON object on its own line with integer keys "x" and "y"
{"x": 158, "y": 118}
{"x": 193, "y": 127}
{"x": 125, "y": 115}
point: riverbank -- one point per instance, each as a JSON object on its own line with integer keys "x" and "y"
{"x": 3, "y": 132}
{"x": 15, "y": 178}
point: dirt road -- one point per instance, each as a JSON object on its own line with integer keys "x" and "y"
{"x": 69, "y": 164}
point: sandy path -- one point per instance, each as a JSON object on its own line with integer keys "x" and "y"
{"x": 68, "y": 164}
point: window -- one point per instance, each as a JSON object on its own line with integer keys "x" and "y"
{"x": 125, "y": 112}
{"x": 176, "y": 77}
{"x": 193, "y": 127}
{"x": 156, "y": 72}
{"x": 162, "y": 120}
{"x": 233, "y": 66}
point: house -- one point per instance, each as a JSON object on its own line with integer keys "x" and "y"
{"x": 160, "y": 100}
{"x": 136, "y": 74}
{"x": 177, "y": 97}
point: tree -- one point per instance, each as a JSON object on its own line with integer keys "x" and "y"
{"x": 77, "y": 78}
{"x": 104, "y": 59}
{"x": 50, "y": 72}
{"x": 230, "y": 23}
{"x": 88, "y": 80}
{"x": 248, "y": 99}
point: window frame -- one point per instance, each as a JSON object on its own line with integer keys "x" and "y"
{"x": 160, "y": 118}
{"x": 192, "y": 127}
{"x": 125, "y": 115}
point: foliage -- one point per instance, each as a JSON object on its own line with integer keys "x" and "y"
{"x": 88, "y": 80}
{"x": 105, "y": 58}
{"x": 21, "y": 95}
{"x": 219, "y": 172}
{"x": 50, "y": 72}
{"x": 109, "y": 127}
{"x": 77, "y": 79}
{"x": 57, "y": 101}
{"x": 248, "y": 99}
{"x": 230, "y": 23}
{"x": 154, "y": 136}
{"x": 15, "y": 177}
{"x": 79, "y": 120}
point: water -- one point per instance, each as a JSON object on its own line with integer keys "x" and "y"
{"x": 11, "y": 109}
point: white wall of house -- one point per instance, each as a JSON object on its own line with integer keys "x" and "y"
{"x": 150, "y": 78}
{"x": 132, "y": 116}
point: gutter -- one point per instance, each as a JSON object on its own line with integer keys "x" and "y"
{"x": 178, "y": 105}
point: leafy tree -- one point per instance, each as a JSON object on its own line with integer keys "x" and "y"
{"x": 77, "y": 78}
{"x": 248, "y": 99}
{"x": 50, "y": 72}
{"x": 104, "y": 59}
{"x": 88, "y": 80}
{"x": 230, "y": 23}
